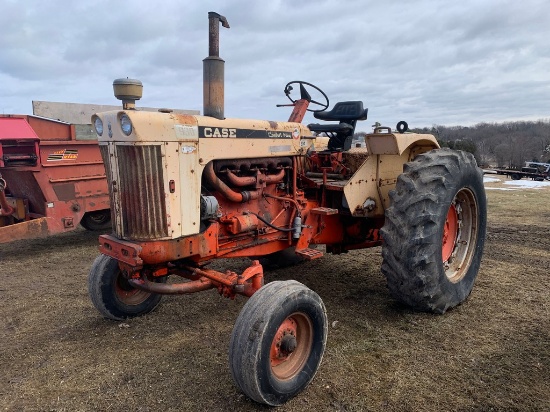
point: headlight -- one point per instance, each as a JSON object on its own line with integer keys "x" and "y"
{"x": 126, "y": 125}
{"x": 98, "y": 125}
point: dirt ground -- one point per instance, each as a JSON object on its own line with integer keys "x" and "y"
{"x": 490, "y": 354}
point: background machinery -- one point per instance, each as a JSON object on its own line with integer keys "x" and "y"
{"x": 51, "y": 179}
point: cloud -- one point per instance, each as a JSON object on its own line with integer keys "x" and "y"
{"x": 424, "y": 61}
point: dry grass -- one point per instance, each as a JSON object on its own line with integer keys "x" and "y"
{"x": 491, "y": 353}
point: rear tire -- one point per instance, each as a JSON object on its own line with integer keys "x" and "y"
{"x": 98, "y": 220}
{"x": 278, "y": 342}
{"x": 434, "y": 231}
{"x": 113, "y": 296}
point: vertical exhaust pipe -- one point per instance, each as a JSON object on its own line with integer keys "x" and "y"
{"x": 213, "y": 69}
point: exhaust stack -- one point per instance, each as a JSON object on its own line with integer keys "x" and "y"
{"x": 213, "y": 69}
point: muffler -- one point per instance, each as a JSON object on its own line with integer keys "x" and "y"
{"x": 213, "y": 70}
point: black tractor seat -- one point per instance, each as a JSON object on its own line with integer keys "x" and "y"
{"x": 330, "y": 128}
{"x": 341, "y": 134}
{"x": 343, "y": 111}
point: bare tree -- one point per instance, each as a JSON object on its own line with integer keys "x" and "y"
{"x": 508, "y": 144}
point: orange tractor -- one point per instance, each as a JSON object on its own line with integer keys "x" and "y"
{"x": 186, "y": 190}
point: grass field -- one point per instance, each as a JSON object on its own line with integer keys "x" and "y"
{"x": 491, "y": 353}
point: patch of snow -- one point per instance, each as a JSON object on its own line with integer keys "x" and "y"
{"x": 502, "y": 188}
{"x": 528, "y": 184}
{"x": 490, "y": 180}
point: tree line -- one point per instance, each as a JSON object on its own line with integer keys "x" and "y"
{"x": 508, "y": 144}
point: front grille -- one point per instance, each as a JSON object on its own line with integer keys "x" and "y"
{"x": 140, "y": 189}
{"x": 104, "y": 150}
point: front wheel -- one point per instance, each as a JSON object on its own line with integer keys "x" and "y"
{"x": 434, "y": 231}
{"x": 112, "y": 294}
{"x": 278, "y": 342}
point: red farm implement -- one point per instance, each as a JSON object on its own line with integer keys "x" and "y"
{"x": 50, "y": 179}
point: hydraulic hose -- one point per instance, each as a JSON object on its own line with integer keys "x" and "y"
{"x": 282, "y": 229}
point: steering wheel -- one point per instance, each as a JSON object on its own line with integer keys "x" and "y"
{"x": 305, "y": 95}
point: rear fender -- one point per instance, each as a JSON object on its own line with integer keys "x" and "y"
{"x": 367, "y": 192}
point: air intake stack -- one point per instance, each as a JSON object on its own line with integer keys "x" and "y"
{"x": 213, "y": 69}
{"x": 128, "y": 90}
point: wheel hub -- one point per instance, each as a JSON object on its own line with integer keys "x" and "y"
{"x": 288, "y": 344}
{"x": 285, "y": 342}
{"x": 291, "y": 346}
{"x": 126, "y": 293}
{"x": 459, "y": 235}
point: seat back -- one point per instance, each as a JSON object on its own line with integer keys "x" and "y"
{"x": 340, "y": 135}
{"x": 344, "y": 112}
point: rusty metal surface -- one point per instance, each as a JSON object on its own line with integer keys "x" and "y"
{"x": 154, "y": 252}
{"x": 229, "y": 284}
{"x": 391, "y": 144}
{"x": 31, "y": 229}
{"x": 214, "y": 20}
{"x": 299, "y": 111}
{"x": 241, "y": 180}
{"x": 140, "y": 191}
{"x": 213, "y": 87}
{"x": 241, "y": 224}
{"x": 65, "y": 191}
{"x": 5, "y": 208}
{"x": 229, "y": 193}
{"x": 274, "y": 163}
{"x": 172, "y": 289}
{"x": 213, "y": 69}
{"x": 66, "y": 180}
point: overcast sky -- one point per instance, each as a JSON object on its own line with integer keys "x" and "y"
{"x": 424, "y": 61}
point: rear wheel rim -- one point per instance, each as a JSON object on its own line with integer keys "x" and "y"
{"x": 291, "y": 346}
{"x": 450, "y": 232}
{"x": 460, "y": 234}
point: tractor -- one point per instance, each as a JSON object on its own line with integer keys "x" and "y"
{"x": 186, "y": 190}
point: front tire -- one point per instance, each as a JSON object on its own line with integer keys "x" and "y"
{"x": 278, "y": 342}
{"x": 434, "y": 231}
{"x": 112, "y": 294}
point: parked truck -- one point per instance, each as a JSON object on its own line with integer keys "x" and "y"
{"x": 187, "y": 190}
